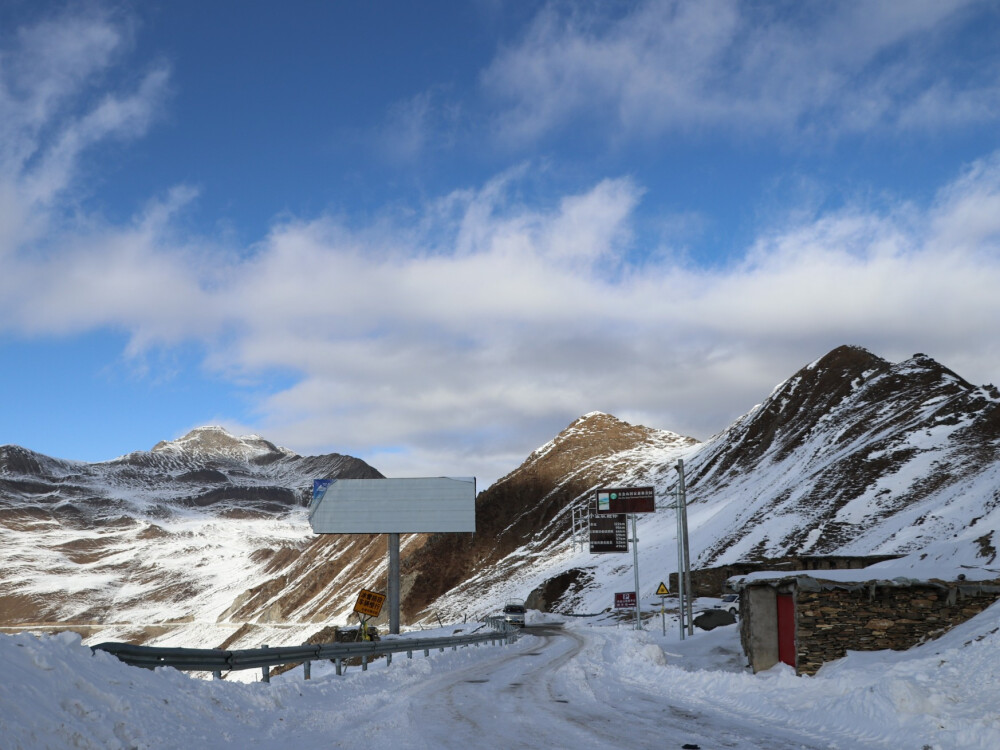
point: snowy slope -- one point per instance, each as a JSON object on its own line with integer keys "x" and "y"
{"x": 155, "y": 543}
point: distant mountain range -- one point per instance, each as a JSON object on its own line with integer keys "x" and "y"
{"x": 204, "y": 540}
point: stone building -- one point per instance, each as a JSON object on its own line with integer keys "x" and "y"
{"x": 806, "y": 620}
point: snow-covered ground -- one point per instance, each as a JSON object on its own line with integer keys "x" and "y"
{"x": 590, "y": 683}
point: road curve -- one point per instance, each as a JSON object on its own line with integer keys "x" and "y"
{"x": 551, "y": 690}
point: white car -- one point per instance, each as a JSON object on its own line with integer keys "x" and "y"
{"x": 514, "y": 611}
{"x": 730, "y": 603}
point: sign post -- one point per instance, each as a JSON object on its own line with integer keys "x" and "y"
{"x": 628, "y": 501}
{"x": 662, "y": 592}
{"x": 635, "y": 571}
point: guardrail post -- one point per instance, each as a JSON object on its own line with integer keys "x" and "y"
{"x": 340, "y": 664}
{"x": 217, "y": 674}
{"x": 364, "y": 662}
{"x": 388, "y": 658}
{"x": 307, "y": 669}
{"x": 409, "y": 654}
{"x": 265, "y": 672}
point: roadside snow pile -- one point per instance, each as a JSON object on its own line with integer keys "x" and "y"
{"x": 943, "y": 695}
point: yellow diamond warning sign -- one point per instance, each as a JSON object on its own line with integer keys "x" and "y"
{"x": 662, "y": 590}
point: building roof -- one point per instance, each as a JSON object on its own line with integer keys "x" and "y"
{"x": 903, "y": 572}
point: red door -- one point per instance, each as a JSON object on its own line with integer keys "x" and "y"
{"x": 786, "y": 629}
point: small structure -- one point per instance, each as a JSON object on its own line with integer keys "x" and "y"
{"x": 712, "y": 581}
{"x": 807, "y": 619}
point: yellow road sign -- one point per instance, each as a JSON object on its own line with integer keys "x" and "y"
{"x": 369, "y": 603}
{"x": 662, "y": 590}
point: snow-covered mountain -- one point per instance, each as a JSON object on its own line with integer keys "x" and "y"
{"x": 851, "y": 455}
{"x": 154, "y": 541}
{"x": 204, "y": 540}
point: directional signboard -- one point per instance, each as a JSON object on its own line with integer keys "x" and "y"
{"x": 369, "y": 603}
{"x": 609, "y": 533}
{"x": 626, "y": 500}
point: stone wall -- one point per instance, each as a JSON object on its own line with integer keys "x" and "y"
{"x": 830, "y": 621}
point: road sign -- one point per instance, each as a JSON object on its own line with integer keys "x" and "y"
{"x": 626, "y": 500}
{"x": 394, "y": 506}
{"x": 369, "y": 603}
{"x": 608, "y": 533}
{"x": 662, "y": 590}
{"x": 625, "y": 600}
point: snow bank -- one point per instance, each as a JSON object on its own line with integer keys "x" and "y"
{"x": 942, "y": 695}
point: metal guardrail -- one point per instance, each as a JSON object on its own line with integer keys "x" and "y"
{"x": 218, "y": 660}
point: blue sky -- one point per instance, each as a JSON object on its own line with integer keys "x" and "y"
{"x": 431, "y": 235}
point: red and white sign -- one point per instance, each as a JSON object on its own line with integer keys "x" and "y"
{"x": 625, "y": 600}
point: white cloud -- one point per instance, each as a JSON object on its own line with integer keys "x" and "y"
{"x": 429, "y": 348}
{"x": 52, "y": 105}
{"x": 466, "y": 331}
{"x": 666, "y": 66}
{"x": 471, "y": 333}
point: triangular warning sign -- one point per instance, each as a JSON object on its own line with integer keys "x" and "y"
{"x": 662, "y": 590}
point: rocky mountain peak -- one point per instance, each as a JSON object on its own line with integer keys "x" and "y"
{"x": 17, "y": 460}
{"x": 217, "y": 442}
{"x": 599, "y": 434}
{"x": 849, "y": 386}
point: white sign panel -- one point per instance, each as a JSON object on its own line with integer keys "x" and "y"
{"x": 394, "y": 506}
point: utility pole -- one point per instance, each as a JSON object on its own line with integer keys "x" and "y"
{"x": 683, "y": 521}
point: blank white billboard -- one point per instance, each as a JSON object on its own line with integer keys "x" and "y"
{"x": 395, "y": 506}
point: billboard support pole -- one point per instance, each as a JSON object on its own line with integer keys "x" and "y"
{"x": 393, "y": 584}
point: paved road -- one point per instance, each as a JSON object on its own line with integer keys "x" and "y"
{"x": 550, "y": 691}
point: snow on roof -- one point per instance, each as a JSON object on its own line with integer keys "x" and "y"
{"x": 885, "y": 574}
